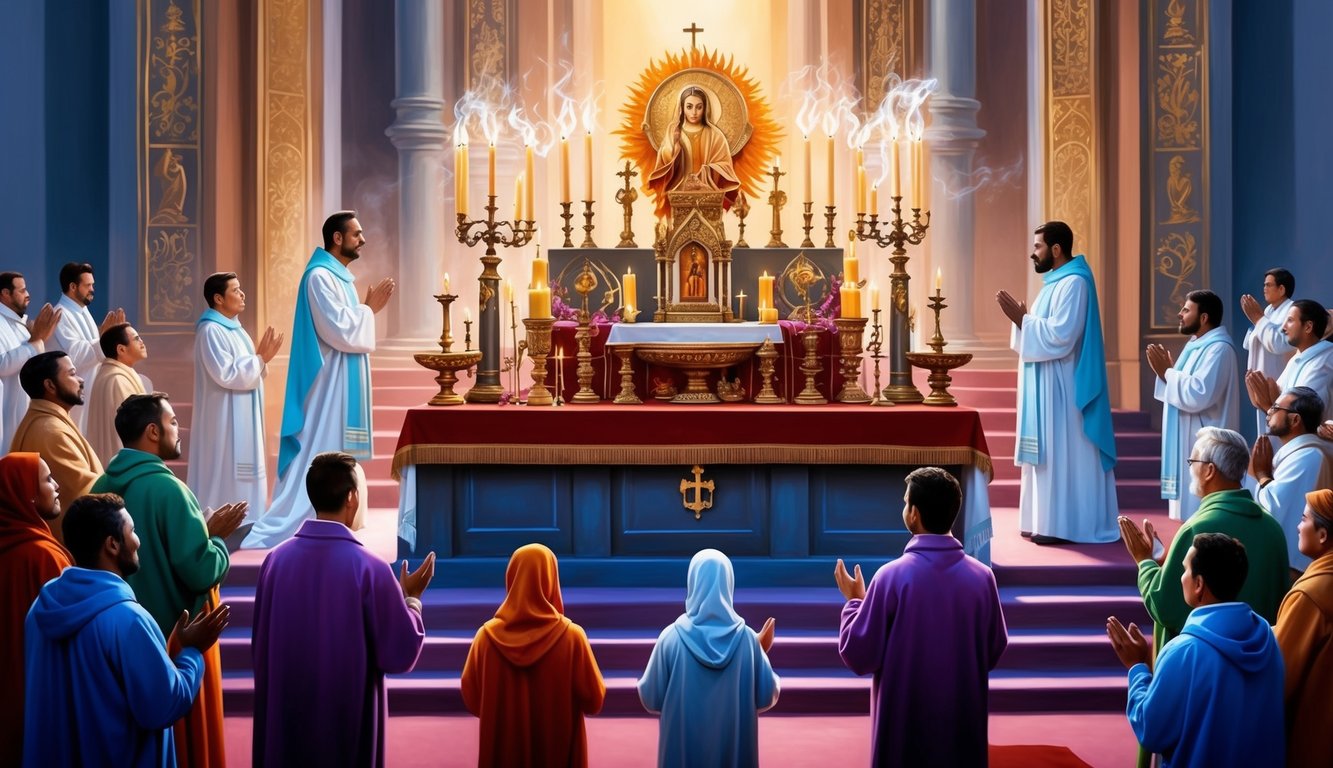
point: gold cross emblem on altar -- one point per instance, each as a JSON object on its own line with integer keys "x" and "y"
{"x": 698, "y": 486}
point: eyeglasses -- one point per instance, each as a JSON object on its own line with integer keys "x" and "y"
{"x": 1197, "y": 461}
{"x": 1275, "y": 407}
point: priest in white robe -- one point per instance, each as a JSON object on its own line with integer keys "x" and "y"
{"x": 18, "y": 344}
{"x": 1312, "y": 365}
{"x": 77, "y": 335}
{"x": 1266, "y": 347}
{"x": 227, "y": 461}
{"x": 1201, "y": 389}
{"x": 327, "y": 405}
{"x": 1303, "y": 463}
{"x": 1065, "y": 442}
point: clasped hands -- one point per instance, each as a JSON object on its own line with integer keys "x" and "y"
{"x": 1159, "y": 360}
{"x": 1011, "y": 307}
{"x": 1139, "y": 541}
{"x": 1262, "y": 390}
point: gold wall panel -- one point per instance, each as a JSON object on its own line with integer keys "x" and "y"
{"x": 887, "y": 43}
{"x": 285, "y": 153}
{"x": 1177, "y": 73}
{"x": 1071, "y": 164}
{"x": 169, "y": 154}
{"x": 489, "y": 58}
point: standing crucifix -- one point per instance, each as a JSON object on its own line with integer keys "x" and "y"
{"x": 693, "y": 29}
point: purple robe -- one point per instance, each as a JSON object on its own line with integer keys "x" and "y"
{"x": 330, "y": 621}
{"x": 930, "y": 629}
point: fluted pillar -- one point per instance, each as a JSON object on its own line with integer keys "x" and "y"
{"x": 418, "y": 133}
{"x": 952, "y": 140}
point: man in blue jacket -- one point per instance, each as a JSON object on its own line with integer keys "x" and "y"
{"x": 1215, "y": 697}
{"x": 101, "y": 689}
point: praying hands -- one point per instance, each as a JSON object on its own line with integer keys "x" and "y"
{"x": 1130, "y": 645}
{"x": 1011, "y": 307}
{"x": 1159, "y": 359}
{"x": 1139, "y": 541}
{"x": 1263, "y": 391}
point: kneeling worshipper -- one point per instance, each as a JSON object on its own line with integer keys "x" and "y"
{"x": 709, "y": 676}
{"x": 1304, "y": 632}
{"x": 102, "y": 690}
{"x": 29, "y": 557}
{"x": 530, "y": 675}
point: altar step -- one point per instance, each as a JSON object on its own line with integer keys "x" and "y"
{"x": 1058, "y": 655}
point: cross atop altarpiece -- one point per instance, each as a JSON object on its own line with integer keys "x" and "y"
{"x": 694, "y": 29}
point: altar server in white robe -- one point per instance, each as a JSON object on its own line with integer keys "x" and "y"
{"x": 227, "y": 456}
{"x": 18, "y": 344}
{"x": 77, "y": 335}
{"x": 1266, "y": 347}
{"x": 1302, "y": 463}
{"x": 327, "y": 405}
{"x": 1065, "y": 442}
{"x": 1311, "y": 366}
{"x": 1202, "y": 389}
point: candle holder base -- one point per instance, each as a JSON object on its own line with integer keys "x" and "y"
{"x": 829, "y": 215}
{"x": 568, "y": 229}
{"x": 627, "y": 395}
{"x": 448, "y": 364}
{"x": 767, "y": 354}
{"x": 539, "y": 347}
{"x": 850, "y": 330}
{"x": 939, "y": 364}
{"x": 808, "y": 216}
{"x": 587, "y": 226}
{"x": 811, "y": 368}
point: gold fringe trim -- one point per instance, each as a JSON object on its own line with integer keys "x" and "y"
{"x": 434, "y": 453}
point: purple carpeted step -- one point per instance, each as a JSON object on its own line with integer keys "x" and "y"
{"x": 1080, "y": 690}
{"x": 1079, "y": 607}
{"x": 1131, "y": 493}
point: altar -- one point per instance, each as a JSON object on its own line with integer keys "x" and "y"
{"x": 619, "y": 493}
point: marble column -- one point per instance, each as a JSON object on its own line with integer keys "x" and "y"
{"x": 418, "y": 133}
{"x": 952, "y": 142}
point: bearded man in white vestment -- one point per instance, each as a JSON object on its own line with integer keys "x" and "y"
{"x": 18, "y": 344}
{"x": 1311, "y": 366}
{"x": 227, "y": 457}
{"x": 1065, "y": 442}
{"x": 327, "y": 405}
{"x": 1302, "y": 464}
{"x": 1200, "y": 390}
{"x": 76, "y": 334}
{"x": 1266, "y": 347}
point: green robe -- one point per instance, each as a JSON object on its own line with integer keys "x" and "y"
{"x": 1235, "y": 514}
{"x": 178, "y": 561}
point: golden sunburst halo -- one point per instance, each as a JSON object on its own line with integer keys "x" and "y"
{"x": 751, "y": 162}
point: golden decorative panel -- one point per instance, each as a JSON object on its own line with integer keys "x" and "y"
{"x": 887, "y": 38}
{"x": 285, "y": 152}
{"x": 1177, "y": 65}
{"x": 169, "y": 152}
{"x": 488, "y": 60}
{"x": 1071, "y": 142}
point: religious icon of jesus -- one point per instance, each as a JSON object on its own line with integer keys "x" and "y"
{"x": 694, "y": 147}
{"x": 694, "y": 280}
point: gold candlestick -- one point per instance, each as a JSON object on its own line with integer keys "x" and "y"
{"x": 447, "y": 362}
{"x": 850, "y": 331}
{"x": 742, "y": 210}
{"x": 901, "y": 234}
{"x": 810, "y": 367}
{"x": 830, "y": 213}
{"x": 490, "y": 231}
{"x": 875, "y": 347}
{"x": 627, "y": 395}
{"x": 938, "y": 362}
{"x": 467, "y": 335}
{"x": 626, "y": 198}
{"x": 584, "y": 284}
{"x": 539, "y": 346}
{"x": 568, "y": 229}
{"x": 809, "y": 217}
{"x": 514, "y": 362}
{"x": 776, "y": 199}
{"x": 587, "y": 226}
{"x": 768, "y": 352}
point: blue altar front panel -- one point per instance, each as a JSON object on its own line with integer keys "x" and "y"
{"x": 782, "y": 521}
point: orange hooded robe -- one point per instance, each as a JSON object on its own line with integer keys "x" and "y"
{"x": 29, "y": 557}
{"x": 530, "y": 674}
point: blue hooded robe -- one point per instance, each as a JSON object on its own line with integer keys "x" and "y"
{"x": 1216, "y": 696}
{"x": 708, "y": 676}
{"x": 101, "y": 689}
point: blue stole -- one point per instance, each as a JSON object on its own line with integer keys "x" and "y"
{"x": 1090, "y": 391}
{"x": 306, "y": 363}
{"x": 1188, "y": 362}
{"x": 244, "y": 421}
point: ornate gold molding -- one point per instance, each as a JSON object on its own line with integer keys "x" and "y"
{"x": 1071, "y": 164}
{"x": 1177, "y": 155}
{"x": 169, "y": 157}
{"x": 887, "y": 44}
{"x": 285, "y": 155}
{"x": 489, "y": 56}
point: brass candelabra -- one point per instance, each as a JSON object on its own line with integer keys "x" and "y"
{"x": 447, "y": 362}
{"x": 808, "y": 216}
{"x": 627, "y": 395}
{"x": 568, "y": 228}
{"x": 487, "y": 388}
{"x": 742, "y": 210}
{"x": 811, "y": 367}
{"x": 876, "y": 349}
{"x": 776, "y": 199}
{"x": 901, "y": 234}
{"x": 767, "y": 354}
{"x": 938, "y": 362}
{"x": 626, "y": 198}
{"x": 514, "y": 362}
{"x": 830, "y": 214}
